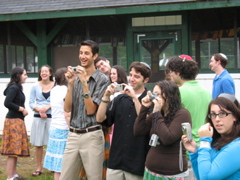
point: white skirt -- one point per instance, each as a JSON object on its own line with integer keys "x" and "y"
{"x": 40, "y": 131}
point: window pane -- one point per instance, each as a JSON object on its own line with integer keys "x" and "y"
{"x": 10, "y": 58}
{"x": 209, "y": 47}
{"x": 30, "y": 59}
{"x": 20, "y": 62}
{"x": 1, "y": 59}
{"x": 121, "y": 57}
{"x": 106, "y": 51}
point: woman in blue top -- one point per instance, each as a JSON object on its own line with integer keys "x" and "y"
{"x": 40, "y": 103}
{"x": 217, "y": 157}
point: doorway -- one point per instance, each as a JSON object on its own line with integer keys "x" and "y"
{"x": 155, "y": 48}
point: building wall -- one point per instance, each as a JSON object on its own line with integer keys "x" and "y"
{"x": 204, "y": 79}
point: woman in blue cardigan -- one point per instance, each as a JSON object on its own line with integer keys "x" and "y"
{"x": 218, "y": 157}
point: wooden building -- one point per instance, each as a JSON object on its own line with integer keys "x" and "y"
{"x": 38, "y": 32}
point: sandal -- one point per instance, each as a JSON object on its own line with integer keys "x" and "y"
{"x": 36, "y": 173}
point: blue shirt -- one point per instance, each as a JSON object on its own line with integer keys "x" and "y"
{"x": 223, "y": 84}
{"x": 212, "y": 164}
{"x": 37, "y": 99}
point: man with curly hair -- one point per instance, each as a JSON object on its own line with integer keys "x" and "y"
{"x": 195, "y": 98}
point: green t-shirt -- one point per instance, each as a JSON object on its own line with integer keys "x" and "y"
{"x": 195, "y": 99}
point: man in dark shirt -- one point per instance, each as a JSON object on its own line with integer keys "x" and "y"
{"x": 85, "y": 144}
{"x": 127, "y": 153}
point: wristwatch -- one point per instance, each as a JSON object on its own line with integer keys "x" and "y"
{"x": 86, "y": 95}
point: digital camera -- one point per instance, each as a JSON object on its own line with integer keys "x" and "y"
{"x": 186, "y": 128}
{"x": 151, "y": 95}
{"x": 119, "y": 87}
{"x": 74, "y": 68}
{"x": 154, "y": 140}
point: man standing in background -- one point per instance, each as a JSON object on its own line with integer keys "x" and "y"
{"x": 223, "y": 82}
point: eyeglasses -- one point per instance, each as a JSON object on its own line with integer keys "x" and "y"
{"x": 220, "y": 115}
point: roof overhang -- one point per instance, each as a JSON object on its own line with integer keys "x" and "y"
{"x": 130, "y": 9}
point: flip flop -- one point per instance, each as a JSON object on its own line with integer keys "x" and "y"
{"x": 36, "y": 173}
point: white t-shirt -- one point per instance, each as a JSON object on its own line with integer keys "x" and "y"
{"x": 57, "y": 96}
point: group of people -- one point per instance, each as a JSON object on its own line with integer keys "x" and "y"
{"x": 83, "y": 114}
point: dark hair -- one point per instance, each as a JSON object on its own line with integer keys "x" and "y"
{"x": 171, "y": 94}
{"x": 187, "y": 69}
{"x": 50, "y": 70}
{"x": 99, "y": 58}
{"x": 60, "y": 78}
{"x": 16, "y": 74}
{"x": 92, "y": 44}
{"x": 224, "y": 104}
{"x": 141, "y": 68}
{"x": 219, "y": 57}
{"x": 121, "y": 73}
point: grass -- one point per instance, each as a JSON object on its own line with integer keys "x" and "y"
{"x": 25, "y": 167}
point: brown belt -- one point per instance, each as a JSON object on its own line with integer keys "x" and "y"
{"x": 81, "y": 131}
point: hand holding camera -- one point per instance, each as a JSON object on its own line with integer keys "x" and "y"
{"x": 151, "y": 95}
{"x": 187, "y": 130}
{"x": 75, "y": 70}
{"x": 119, "y": 87}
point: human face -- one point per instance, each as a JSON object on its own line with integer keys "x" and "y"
{"x": 136, "y": 80}
{"x": 174, "y": 76}
{"x": 114, "y": 75}
{"x": 86, "y": 56}
{"x": 23, "y": 77}
{"x": 45, "y": 73}
{"x": 222, "y": 125}
{"x": 158, "y": 91}
{"x": 103, "y": 66}
{"x": 214, "y": 64}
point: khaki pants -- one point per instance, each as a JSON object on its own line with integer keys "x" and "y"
{"x": 83, "y": 150}
{"x": 117, "y": 174}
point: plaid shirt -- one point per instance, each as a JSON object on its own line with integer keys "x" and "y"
{"x": 97, "y": 85}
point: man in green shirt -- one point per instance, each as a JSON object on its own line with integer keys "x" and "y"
{"x": 195, "y": 98}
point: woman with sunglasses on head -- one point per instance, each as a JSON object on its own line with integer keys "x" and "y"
{"x": 218, "y": 154}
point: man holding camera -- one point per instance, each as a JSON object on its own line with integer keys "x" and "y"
{"x": 85, "y": 144}
{"x": 127, "y": 153}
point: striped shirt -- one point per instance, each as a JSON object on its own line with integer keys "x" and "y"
{"x": 97, "y": 85}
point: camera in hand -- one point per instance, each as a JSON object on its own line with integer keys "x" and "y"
{"x": 186, "y": 128}
{"x": 119, "y": 87}
{"x": 151, "y": 95}
{"x": 74, "y": 68}
{"x": 154, "y": 140}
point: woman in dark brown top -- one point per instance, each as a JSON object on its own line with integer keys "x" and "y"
{"x": 164, "y": 127}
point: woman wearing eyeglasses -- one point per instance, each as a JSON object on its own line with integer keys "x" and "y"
{"x": 217, "y": 157}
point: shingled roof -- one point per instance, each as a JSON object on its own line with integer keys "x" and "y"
{"x": 31, "y": 6}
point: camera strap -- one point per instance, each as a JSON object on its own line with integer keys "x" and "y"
{"x": 155, "y": 122}
{"x": 180, "y": 157}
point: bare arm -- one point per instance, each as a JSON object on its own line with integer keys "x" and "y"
{"x": 90, "y": 106}
{"x": 102, "y": 109}
{"x": 67, "y": 117}
{"x": 68, "y": 99}
{"x": 101, "y": 113}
